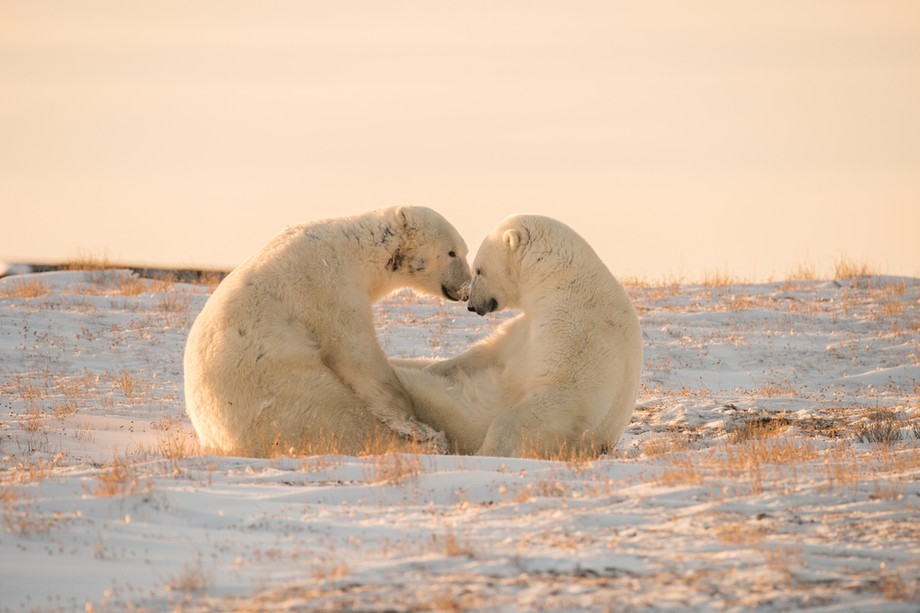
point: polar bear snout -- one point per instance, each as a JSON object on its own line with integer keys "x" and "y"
{"x": 450, "y": 294}
{"x": 482, "y": 308}
{"x": 455, "y": 281}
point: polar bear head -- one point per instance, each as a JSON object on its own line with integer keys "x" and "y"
{"x": 431, "y": 255}
{"x": 520, "y": 255}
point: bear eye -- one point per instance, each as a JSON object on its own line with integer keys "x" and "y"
{"x": 452, "y": 254}
{"x": 478, "y": 272}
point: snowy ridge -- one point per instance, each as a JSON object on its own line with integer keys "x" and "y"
{"x": 772, "y": 464}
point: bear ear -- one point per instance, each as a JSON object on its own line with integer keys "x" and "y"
{"x": 513, "y": 239}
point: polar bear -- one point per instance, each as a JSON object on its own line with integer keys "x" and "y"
{"x": 561, "y": 378}
{"x": 284, "y": 354}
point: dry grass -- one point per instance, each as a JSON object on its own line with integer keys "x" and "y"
{"x": 846, "y": 268}
{"x": 80, "y": 386}
{"x": 177, "y": 445}
{"x": 26, "y": 290}
{"x": 192, "y": 579}
{"x": 717, "y": 279}
{"x": 768, "y": 441}
{"x": 742, "y": 302}
{"x": 804, "y": 271}
{"x": 130, "y": 385}
{"x": 894, "y": 588}
{"x": 773, "y": 449}
{"x": 32, "y": 421}
{"x": 844, "y": 473}
{"x": 64, "y": 409}
{"x": 29, "y": 386}
{"x": 763, "y": 451}
{"x": 753, "y": 450}
{"x": 20, "y": 518}
{"x": 756, "y": 428}
{"x": 119, "y": 478}
{"x": 89, "y": 262}
{"x": 454, "y": 546}
{"x": 682, "y": 470}
{"x": 393, "y": 468}
{"x": 132, "y": 286}
{"x": 774, "y": 388}
{"x": 173, "y": 308}
{"x": 33, "y": 470}
{"x": 653, "y": 290}
{"x": 880, "y": 426}
{"x": 578, "y": 453}
{"x": 886, "y": 470}
{"x": 736, "y": 532}
{"x": 671, "y": 442}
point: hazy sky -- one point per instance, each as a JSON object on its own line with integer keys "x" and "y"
{"x": 679, "y": 138}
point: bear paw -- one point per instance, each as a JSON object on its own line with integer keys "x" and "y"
{"x": 424, "y": 434}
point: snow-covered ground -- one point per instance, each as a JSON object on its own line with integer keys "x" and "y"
{"x": 772, "y": 464}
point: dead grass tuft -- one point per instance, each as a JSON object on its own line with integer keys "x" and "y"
{"x": 671, "y": 442}
{"x": 758, "y": 428}
{"x": 734, "y": 531}
{"x": 717, "y": 279}
{"x": 119, "y": 478}
{"x": 20, "y": 518}
{"x": 176, "y": 445}
{"x": 132, "y": 286}
{"x": 774, "y": 388}
{"x": 393, "y": 468}
{"x": 772, "y": 447}
{"x": 33, "y": 421}
{"x": 895, "y": 588}
{"x": 27, "y": 386}
{"x": 740, "y": 302}
{"x": 64, "y": 409}
{"x": 749, "y": 449}
{"x": 804, "y": 271}
{"x": 683, "y": 470}
{"x": 89, "y": 262}
{"x": 194, "y": 578}
{"x": 454, "y": 546}
{"x": 130, "y": 385}
{"x": 26, "y": 290}
{"x": 32, "y": 471}
{"x": 880, "y": 426}
{"x": 846, "y": 268}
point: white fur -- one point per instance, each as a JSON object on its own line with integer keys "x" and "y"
{"x": 284, "y": 353}
{"x": 561, "y": 377}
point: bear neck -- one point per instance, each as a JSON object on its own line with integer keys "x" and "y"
{"x": 549, "y": 290}
{"x": 384, "y": 256}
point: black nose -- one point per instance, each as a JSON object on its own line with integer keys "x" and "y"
{"x": 470, "y": 308}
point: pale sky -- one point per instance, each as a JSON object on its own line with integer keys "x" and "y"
{"x": 679, "y": 138}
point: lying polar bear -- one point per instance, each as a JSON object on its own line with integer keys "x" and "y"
{"x": 284, "y": 354}
{"x": 559, "y": 379}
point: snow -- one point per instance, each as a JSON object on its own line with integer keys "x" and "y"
{"x": 772, "y": 464}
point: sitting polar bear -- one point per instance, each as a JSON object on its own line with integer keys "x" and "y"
{"x": 559, "y": 379}
{"x": 284, "y": 354}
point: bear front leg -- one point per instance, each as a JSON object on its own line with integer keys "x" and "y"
{"x": 370, "y": 376}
